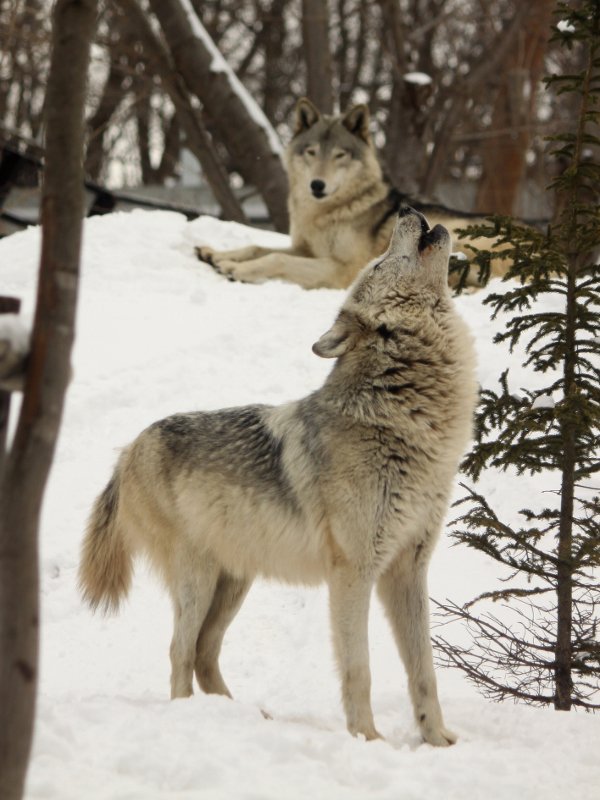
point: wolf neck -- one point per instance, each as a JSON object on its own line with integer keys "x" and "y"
{"x": 356, "y": 400}
{"x": 409, "y": 387}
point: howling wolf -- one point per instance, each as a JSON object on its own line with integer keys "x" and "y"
{"x": 348, "y": 485}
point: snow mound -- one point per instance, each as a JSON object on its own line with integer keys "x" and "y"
{"x": 160, "y": 332}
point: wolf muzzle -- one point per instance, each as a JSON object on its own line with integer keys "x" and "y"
{"x": 429, "y": 235}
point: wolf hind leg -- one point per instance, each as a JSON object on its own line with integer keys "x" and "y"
{"x": 192, "y": 593}
{"x": 403, "y": 592}
{"x": 227, "y": 600}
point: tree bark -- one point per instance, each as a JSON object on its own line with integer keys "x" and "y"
{"x": 197, "y": 138}
{"x": 248, "y": 138}
{"x": 28, "y": 463}
{"x": 504, "y": 153}
{"x": 317, "y": 52}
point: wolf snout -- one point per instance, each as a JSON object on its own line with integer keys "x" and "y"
{"x": 405, "y": 211}
{"x": 317, "y": 187}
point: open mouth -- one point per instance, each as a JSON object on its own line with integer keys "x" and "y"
{"x": 428, "y": 235}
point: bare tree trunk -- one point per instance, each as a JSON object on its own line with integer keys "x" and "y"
{"x": 171, "y": 149}
{"x": 361, "y": 50}
{"x": 481, "y": 69}
{"x": 274, "y": 33}
{"x": 27, "y": 465}
{"x": 319, "y": 71}
{"x": 198, "y": 139}
{"x": 241, "y": 127}
{"x": 142, "y": 120}
{"x": 504, "y": 153}
{"x": 112, "y": 95}
{"x": 405, "y": 149}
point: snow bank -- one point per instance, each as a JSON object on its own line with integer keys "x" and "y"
{"x": 160, "y": 332}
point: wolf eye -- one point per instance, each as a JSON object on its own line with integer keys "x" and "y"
{"x": 310, "y": 151}
{"x": 341, "y": 154}
{"x": 384, "y": 332}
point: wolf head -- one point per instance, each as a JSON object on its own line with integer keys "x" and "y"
{"x": 329, "y": 154}
{"x": 399, "y": 294}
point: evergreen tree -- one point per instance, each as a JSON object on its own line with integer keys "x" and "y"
{"x": 549, "y": 650}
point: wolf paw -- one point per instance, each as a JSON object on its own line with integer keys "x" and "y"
{"x": 211, "y": 257}
{"x": 438, "y": 736}
{"x": 373, "y": 735}
{"x": 224, "y": 268}
{"x": 237, "y": 271}
{"x": 368, "y": 732}
{"x": 205, "y": 254}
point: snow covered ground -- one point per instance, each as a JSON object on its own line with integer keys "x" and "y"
{"x": 158, "y": 332}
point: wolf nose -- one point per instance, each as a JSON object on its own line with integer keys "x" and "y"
{"x": 317, "y": 187}
{"x": 406, "y": 210}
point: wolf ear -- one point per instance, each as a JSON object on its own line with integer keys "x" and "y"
{"x": 306, "y": 115}
{"x": 356, "y": 120}
{"x": 336, "y": 341}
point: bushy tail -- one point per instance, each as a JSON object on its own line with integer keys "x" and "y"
{"x": 106, "y": 562}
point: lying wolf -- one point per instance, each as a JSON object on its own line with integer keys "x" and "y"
{"x": 341, "y": 208}
{"x": 349, "y": 485}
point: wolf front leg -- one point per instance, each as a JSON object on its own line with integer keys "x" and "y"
{"x": 349, "y": 595}
{"x": 403, "y": 592}
{"x": 310, "y": 273}
{"x": 212, "y": 256}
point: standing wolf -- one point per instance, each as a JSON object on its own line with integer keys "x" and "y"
{"x": 341, "y": 208}
{"x": 349, "y": 485}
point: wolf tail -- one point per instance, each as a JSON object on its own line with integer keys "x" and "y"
{"x": 106, "y": 561}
